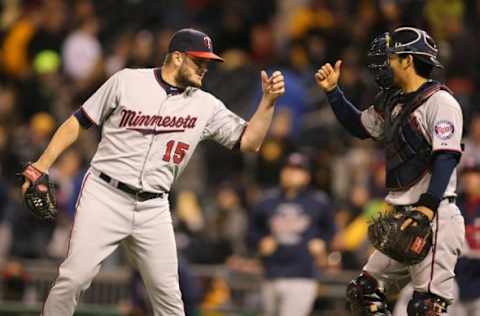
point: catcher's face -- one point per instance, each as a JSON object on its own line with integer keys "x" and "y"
{"x": 191, "y": 71}
{"x": 400, "y": 67}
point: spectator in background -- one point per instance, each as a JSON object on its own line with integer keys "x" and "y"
{"x": 29, "y": 235}
{"x": 30, "y": 140}
{"x": 142, "y": 56}
{"x": 352, "y": 221}
{"x": 63, "y": 175}
{"x": 467, "y": 271}
{"x": 440, "y": 11}
{"x": 8, "y": 104}
{"x": 117, "y": 59}
{"x": 376, "y": 181}
{"x": 461, "y": 68}
{"x": 189, "y": 227}
{"x": 15, "y": 58}
{"x": 226, "y": 222}
{"x": 234, "y": 30}
{"x": 317, "y": 14}
{"x": 41, "y": 89}
{"x": 262, "y": 45}
{"x": 15, "y": 281}
{"x": 290, "y": 229}
{"x": 277, "y": 146}
{"x": 82, "y": 10}
{"x": 471, "y": 154}
{"x": 82, "y": 51}
{"x": 212, "y": 235}
{"x": 8, "y": 121}
{"x": 51, "y": 31}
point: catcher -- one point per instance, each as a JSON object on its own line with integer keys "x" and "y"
{"x": 419, "y": 123}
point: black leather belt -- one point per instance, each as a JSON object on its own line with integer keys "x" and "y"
{"x": 450, "y": 199}
{"x": 140, "y": 195}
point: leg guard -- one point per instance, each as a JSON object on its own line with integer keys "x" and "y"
{"x": 365, "y": 298}
{"x": 426, "y": 304}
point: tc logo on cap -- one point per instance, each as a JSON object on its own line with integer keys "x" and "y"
{"x": 193, "y": 43}
{"x": 208, "y": 42}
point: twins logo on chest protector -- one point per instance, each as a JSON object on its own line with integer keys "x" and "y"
{"x": 444, "y": 129}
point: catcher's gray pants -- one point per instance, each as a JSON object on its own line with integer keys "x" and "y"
{"x": 288, "y": 296}
{"x": 435, "y": 273}
{"x": 105, "y": 217}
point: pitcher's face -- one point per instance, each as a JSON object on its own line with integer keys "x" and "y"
{"x": 191, "y": 71}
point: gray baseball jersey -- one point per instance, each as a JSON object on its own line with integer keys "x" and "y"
{"x": 150, "y": 136}
{"x": 440, "y": 120}
{"x": 147, "y": 137}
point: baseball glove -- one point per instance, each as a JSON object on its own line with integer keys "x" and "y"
{"x": 409, "y": 246}
{"x": 40, "y": 195}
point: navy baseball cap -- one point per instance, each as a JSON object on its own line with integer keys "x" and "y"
{"x": 193, "y": 43}
{"x": 298, "y": 160}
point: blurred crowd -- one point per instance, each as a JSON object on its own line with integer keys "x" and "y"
{"x": 55, "y": 53}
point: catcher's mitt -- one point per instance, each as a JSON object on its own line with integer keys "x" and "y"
{"x": 409, "y": 246}
{"x": 40, "y": 195}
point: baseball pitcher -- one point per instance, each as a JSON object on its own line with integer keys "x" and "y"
{"x": 151, "y": 122}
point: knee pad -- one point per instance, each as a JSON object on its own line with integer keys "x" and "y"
{"x": 365, "y": 298}
{"x": 426, "y": 304}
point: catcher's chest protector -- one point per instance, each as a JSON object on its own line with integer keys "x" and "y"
{"x": 407, "y": 152}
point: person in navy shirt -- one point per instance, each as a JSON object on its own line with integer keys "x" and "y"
{"x": 467, "y": 270}
{"x": 290, "y": 229}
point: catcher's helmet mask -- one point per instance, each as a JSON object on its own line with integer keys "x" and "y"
{"x": 403, "y": 40}
{"x": 378, "y": 61}
{"x": 410, "y": 40}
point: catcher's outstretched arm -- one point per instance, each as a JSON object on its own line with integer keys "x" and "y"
{"x": 65, "y": 135}
{"x": 347, "y": 114}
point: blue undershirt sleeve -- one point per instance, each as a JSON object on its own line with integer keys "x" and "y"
{"x": 83, "y": 118}
{"x": 444, "y": 162}
{"x": 347, "y": 114}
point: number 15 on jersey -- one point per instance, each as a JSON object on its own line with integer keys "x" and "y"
{"x": 178, "y": 154}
